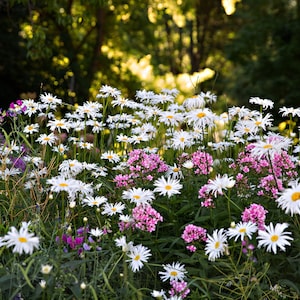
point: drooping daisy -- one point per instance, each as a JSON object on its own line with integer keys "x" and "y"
{"x": 216, "y": 244}
{"x": 138, "y": 196}
{"x": 138, "y": 256}
{"x": 241, "y": 230}
{"x": 174, "y": 271}
{"x": 121, "y": 242}
{"x": 111, "y": 209}
{"x": 289, "y": 199}
{"x": 286, "y": 111}
{"x": 220, "y": 183}
{"x": 22, "y": 240}
{"x": 167, "y": 186}
{"x": 264, "y": 103}
{"x": 274, "y": 237}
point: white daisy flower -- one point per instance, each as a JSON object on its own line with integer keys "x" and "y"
{"x": 286, "y": 111}
{"x": 108, "y": 91}
{"x": 175, "y": 172}
{"x": 220, "y": 183}
{"x": 94, "y": 201}
{"x": 31, "y": 128}
{"x": 181, "y": 139}
{"x": 241, "y": 230}
{"x": 50, "y": 100}
{"x": 22, "y": 240}
{"x": 138, "y": 196}
{"x": 45, "y": 139}
{"x": 289, "y": 199}
{"x": 273, "y": 237}
{"x": 201, "y": 118}
{"x": 216, "y": 244}
{"x": 174, "y": 271}
{"x": 273, "y": 144}
{"x": 62, "y": 184}
{"x": 96, "y": 232}
{"x": 138, "y": 256}
{"x": 167, "y": 186}
{"x": 85, "y": 145}
{"x": 59, "y": 124}
{"x": 111, "y": 209}
{"x": 110, "y": 156}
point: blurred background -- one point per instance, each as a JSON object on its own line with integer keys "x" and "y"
{"x": 236, "y": 49}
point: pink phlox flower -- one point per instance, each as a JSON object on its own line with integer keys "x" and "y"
{"x": 146, "y": 217}
{"x": 179, "y": 288}
{"x": 203, "y": 162}
{"x": 256, "y": 213}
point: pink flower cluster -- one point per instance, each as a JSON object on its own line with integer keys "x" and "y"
{"x": 208, "y": 200}
{"x": 203, "y": 162}
{"x": 141, "y": 162}
{"x": 146, "y": 217}
{"x": 142, "y": 166}
{"x": 179, "y": 288}
{"x": 270, "y": 186}
{"x": 256, "y": 213}
{"x": 193, "y": 233}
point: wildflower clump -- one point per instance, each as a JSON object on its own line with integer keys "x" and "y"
{"x": 142, "y": 198}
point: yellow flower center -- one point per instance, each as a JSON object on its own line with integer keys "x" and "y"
{"x": 182, "y": 139}
{"x": 258, "y": 123}
{"x": 170, "y": 117}
{"x": 247, "y": 129}
{"x": 201, "y": 114}
{"x": 295, "y": 196}
{"x": 46, "y": 138}
{"x": 22, "y": 239}
{"x": 274, "y": 238}
{"x": 63, "y": 184}
{"x": 114, "y": 209}
{"x": 267, "y": 146}
{"x": 174, "y": 273}
{"x": 176, "y": 170}
{"x": 137, "y": 257}
{"x": 94, "y": 202}
{"x": 109, "y": 156}
{"x": 60, "y": 124}
{"x": 217, "y": 245}
{"x": 168, "y": 187}
{"x": 30, "y": 127}
{"x": 242, "y": 230}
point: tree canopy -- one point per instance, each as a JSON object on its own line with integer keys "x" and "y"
{"x": 71, "y": 47}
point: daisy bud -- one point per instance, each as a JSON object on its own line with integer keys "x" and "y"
{"x": 51, "y": 196}
{"x": 72, "y": 204}
{"x": 46, "y": 269}
{"x": 85, "y": 219}
{"x": 83, "y": 285}
{"x": 43, "y": 284}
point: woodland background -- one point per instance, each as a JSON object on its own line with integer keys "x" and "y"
{"x": 236, "y": 49}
